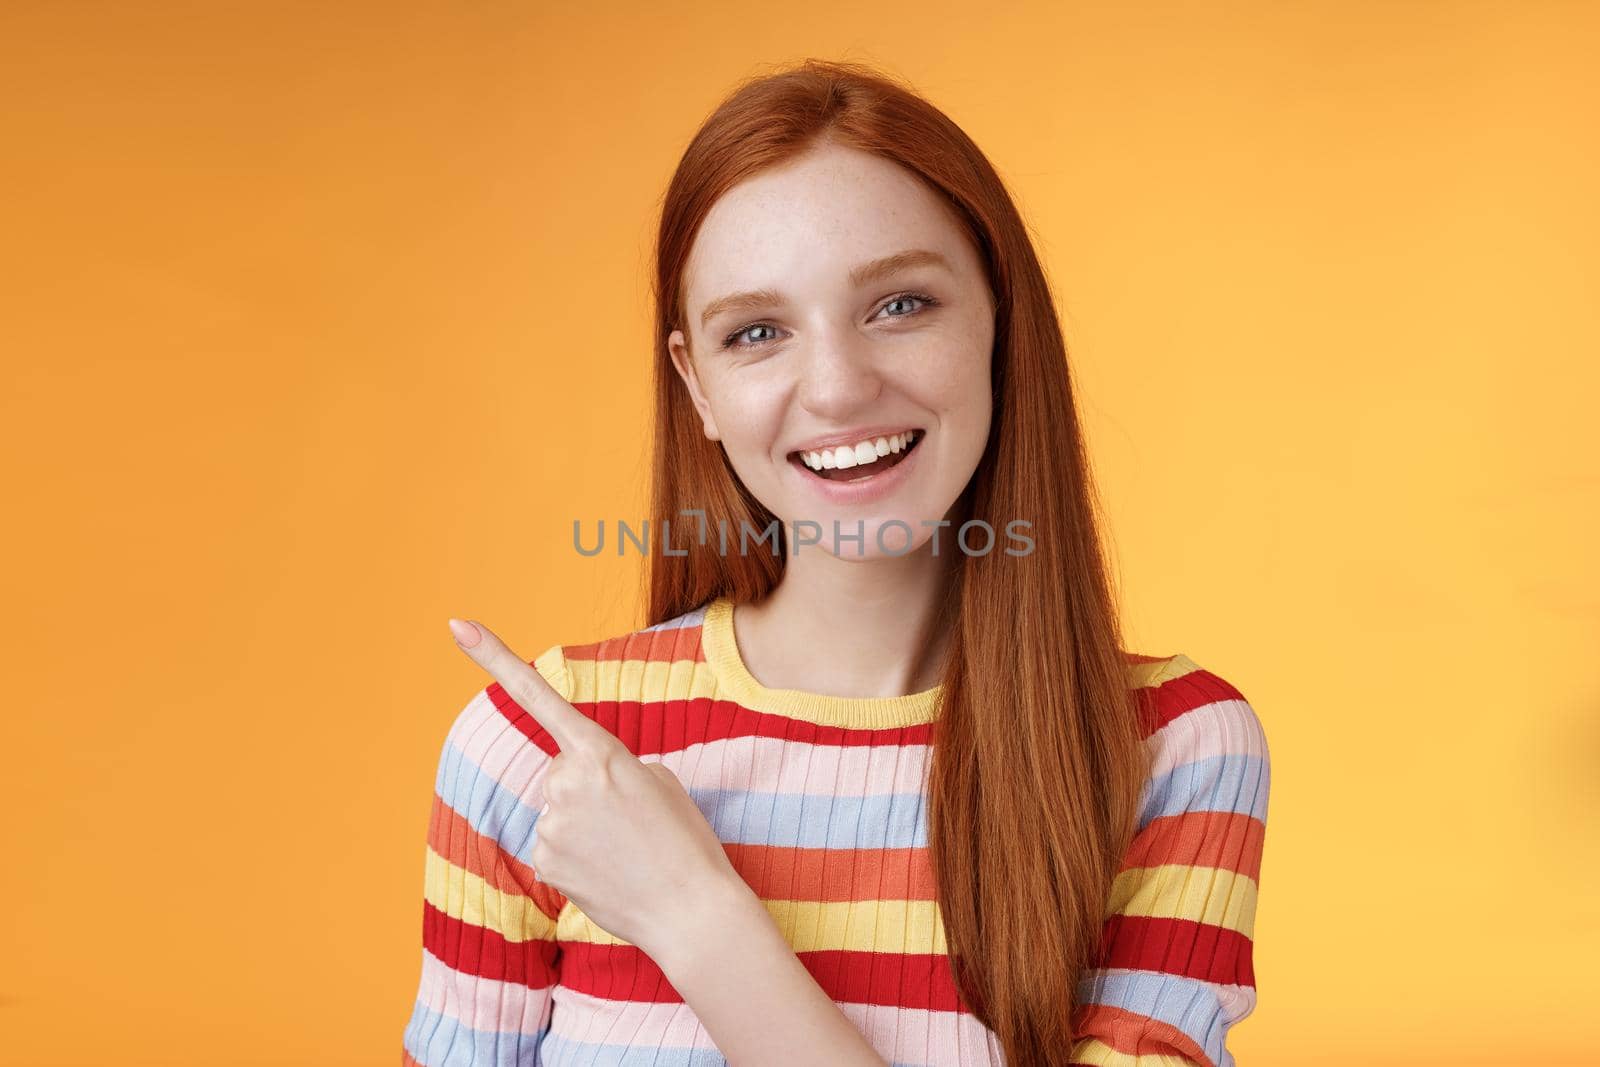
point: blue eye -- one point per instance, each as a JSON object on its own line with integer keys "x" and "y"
{"x": 732, "y": 340}
{"x": 728, "y": 342}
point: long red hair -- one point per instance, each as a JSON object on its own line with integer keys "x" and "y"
{"x": 1037, "y": 753}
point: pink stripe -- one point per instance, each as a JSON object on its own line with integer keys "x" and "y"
{"x": 908, "y": 1035}
{"x": 1237, "y": 1001}
{"x": 504, "y": 752}
{"x": 498, "y": 748}
{"x": 480, "y": 1003}
{"x": 586, "y": 1020}
{"x": 801, "y": 766}
{"x": 1221, "y": 728}
{"x": 917, "y": 1035}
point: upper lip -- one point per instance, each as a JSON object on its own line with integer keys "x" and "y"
{"x": 850, "y": 437}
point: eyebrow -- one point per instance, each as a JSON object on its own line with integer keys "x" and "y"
{"x": 866, "y": 272}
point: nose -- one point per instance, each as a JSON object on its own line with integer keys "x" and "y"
{"x": 838, "y": 376}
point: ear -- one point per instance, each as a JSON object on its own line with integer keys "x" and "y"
{"x": 678, "y": 348}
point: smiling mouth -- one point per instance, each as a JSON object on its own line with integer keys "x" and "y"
{"x": 859, "y": 472}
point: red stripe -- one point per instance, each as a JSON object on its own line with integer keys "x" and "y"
{"x": 653, "y": 727}
{"x": 776, "y": 872}
{"x": 1134, "y": 1034}
{"x": 904, "y": 980}
{"x": 472, "y": 949}
{"x": 1177, "y": 946}
{"x": 643, "y": 725}
{"x": 1229, "y": 840}
{"x": 657, "y": 646}
{"x": 1165, "y": 702}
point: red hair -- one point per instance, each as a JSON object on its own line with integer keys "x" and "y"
{"x": 1037, "y": 760}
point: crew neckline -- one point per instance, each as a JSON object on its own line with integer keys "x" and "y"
{"x": 722, "y": 653}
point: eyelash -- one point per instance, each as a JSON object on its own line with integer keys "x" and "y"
{"x": 729, "y": 341}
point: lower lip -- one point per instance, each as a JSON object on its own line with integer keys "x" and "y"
{"x": 865, "y": 491}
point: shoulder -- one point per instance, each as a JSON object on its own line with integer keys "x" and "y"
{"x": 624, "y": 668}
{"x": 1177, "y": 691}
{"x": 1207, "y": 744}
{"x": 651, "y": 663}
{"x": 494, "y": 756}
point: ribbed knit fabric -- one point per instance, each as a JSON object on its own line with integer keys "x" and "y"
{"x": 820, "y": 802}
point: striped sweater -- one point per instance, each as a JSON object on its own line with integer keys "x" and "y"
{"x": 820, "y": 804}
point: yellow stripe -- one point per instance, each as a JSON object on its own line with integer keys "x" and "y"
{"x": 637, "y": 679}
{"x": 588, "y": 680}
{"x": 1178, "y": 891}
{"x": 552, "y": 664}
{"x": 463, "y": 895}
{"x": 889, "y": 926}
{"x": 1093, "y": 1050}
{"x": 1142, "y": 675}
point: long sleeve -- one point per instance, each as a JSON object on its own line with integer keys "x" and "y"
{"x": 1175, "y": 969}
{"x": 490, "y": 957}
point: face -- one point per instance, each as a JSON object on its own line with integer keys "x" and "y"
{"x": 866, "y": 322}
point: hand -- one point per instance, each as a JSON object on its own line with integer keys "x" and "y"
{"x": 619, "y": 837}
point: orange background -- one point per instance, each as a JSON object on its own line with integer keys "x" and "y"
{"x": 323, "y": 322}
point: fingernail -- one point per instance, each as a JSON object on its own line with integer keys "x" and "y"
{"x": 466, "y": 634}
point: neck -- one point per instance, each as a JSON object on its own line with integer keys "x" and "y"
{"x": 851, "y": 627}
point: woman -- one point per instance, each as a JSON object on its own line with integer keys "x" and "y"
{"x": 893, "y": 793}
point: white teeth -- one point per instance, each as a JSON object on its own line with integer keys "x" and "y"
{"x": 863, "y": 452}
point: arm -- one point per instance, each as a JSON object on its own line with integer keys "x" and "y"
{"x": 732, "y": 966}
{"x": 626, "y": 844}
{"x": 490, "y": 960}
{"x": 1175, "y": 972}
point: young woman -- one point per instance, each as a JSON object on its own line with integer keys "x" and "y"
{"x": 877, "y": 782}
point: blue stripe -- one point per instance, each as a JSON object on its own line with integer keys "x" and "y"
{"x": 561, "y": 1052}
{"x": 1187, "y": 1004}
{"x": 796, "y": 820}
{"x": 438, "y": 1040}
{"x": 1233, "y": 782}
{"x": 692, "y": 617}
{"x": 743, "y": 816}
{"x": 489, "y": 807}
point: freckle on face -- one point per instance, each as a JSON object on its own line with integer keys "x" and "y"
{"x": 799, "y": 230}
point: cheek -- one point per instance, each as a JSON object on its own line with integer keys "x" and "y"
{"x": 955, "y": 384}
{"x": 749, "y": 413}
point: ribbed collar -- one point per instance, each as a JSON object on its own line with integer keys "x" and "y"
{"x": 865, "y": 713}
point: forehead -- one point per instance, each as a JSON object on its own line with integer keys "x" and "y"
{"x": 812, "y": 220}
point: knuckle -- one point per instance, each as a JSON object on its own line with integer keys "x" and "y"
{"x": 587, "y": 761}
{"x": 546, "y": 831}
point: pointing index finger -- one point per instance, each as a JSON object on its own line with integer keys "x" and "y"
{"x": 569, "y": 726}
